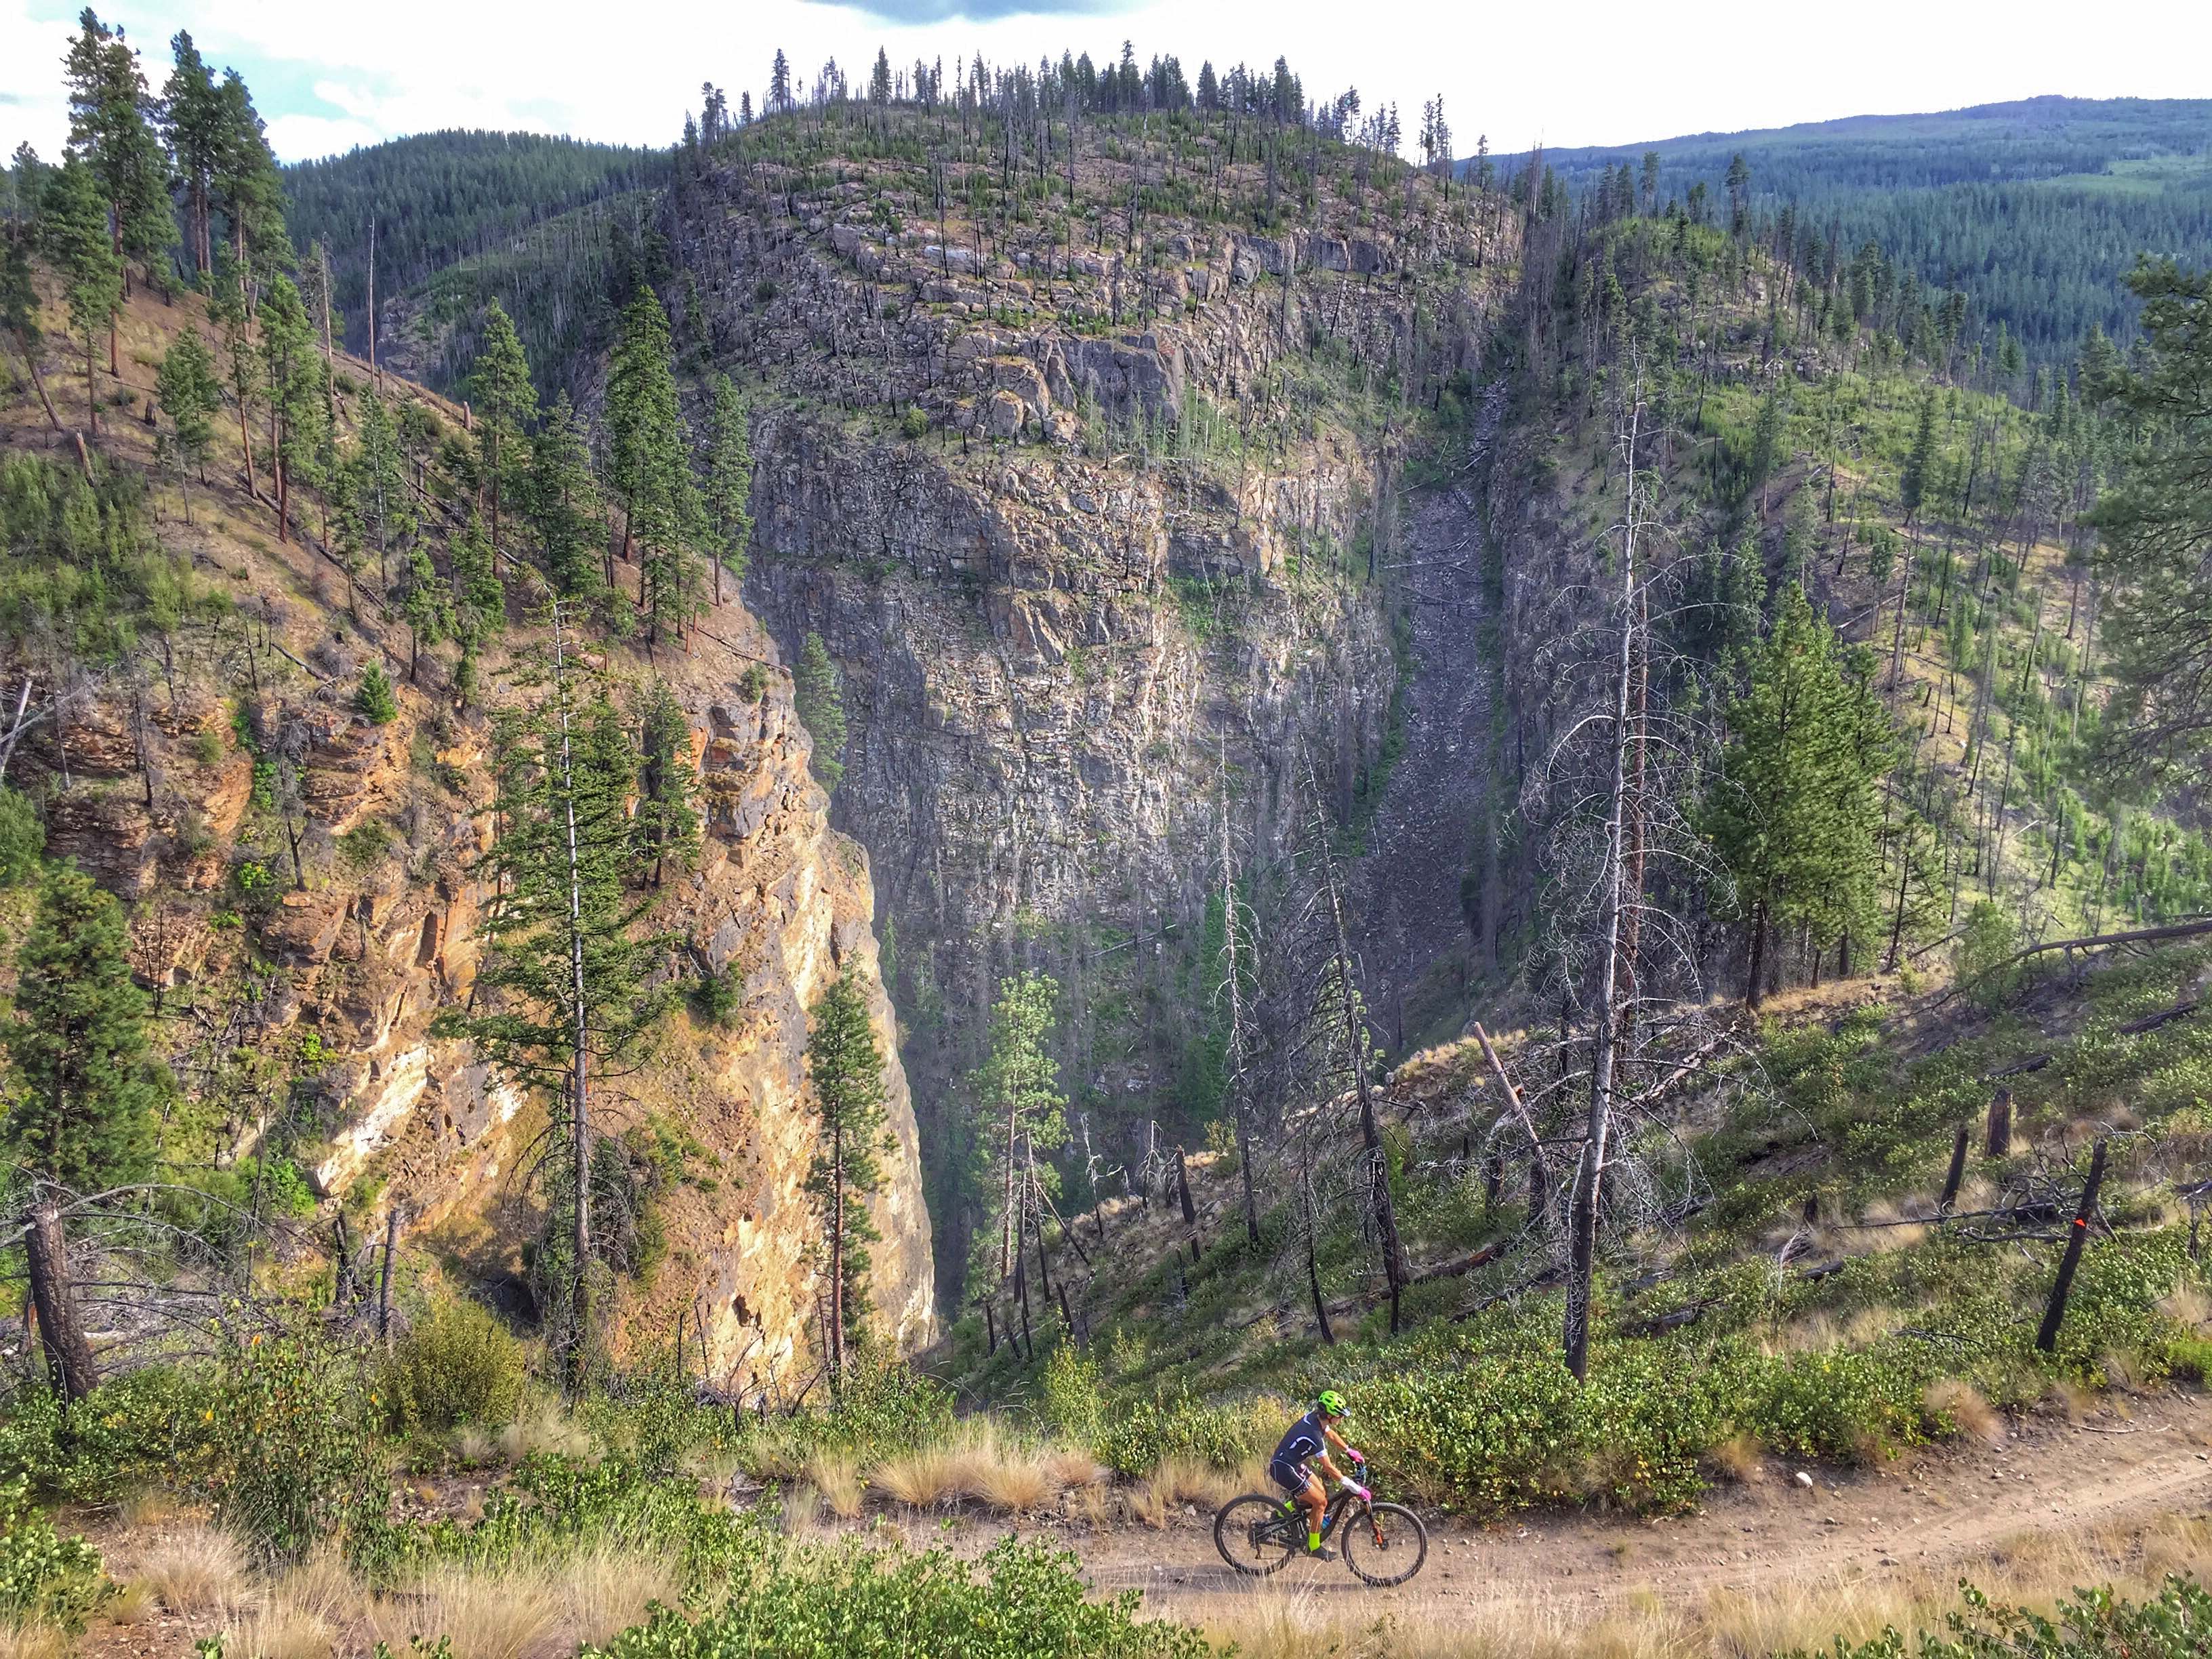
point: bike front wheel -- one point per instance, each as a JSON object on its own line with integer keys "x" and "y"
{"x": 1254, "y": 1535}
{"x": 1385, "y": 1546}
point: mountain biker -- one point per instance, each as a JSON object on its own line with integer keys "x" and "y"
{"x": 1309, "y": 1441}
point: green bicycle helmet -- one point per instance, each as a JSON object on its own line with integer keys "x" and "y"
{"x": 1332, "y": 1403}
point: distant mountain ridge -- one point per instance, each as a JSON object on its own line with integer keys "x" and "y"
{"x": 2033, "y": 208}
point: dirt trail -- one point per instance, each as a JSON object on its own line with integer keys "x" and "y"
{"x": 1944, "y": 1511}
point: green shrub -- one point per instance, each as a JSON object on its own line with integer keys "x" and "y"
{"x": 22, "y": 838}
{"x": 825, "y": 1602}
{"x": 291, "y": 1460}
{"x": 45, "y": 1579}
{"x": 142, "y": 1427}
{"x": 1173, "y": 1423}
{"x": 457, "y": 1365}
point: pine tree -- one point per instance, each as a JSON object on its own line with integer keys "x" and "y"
{"x": 2157, "y": 527}
{"x": 190, "y": 395}
{"x": 228, "y": 309}
{"x": 563, "y": 504}
{"x": 19, "y": 313}
{"x": 86, "y": 1084}
{"x": 1794, "y": 813}
{"x": 666, "y": 824}
{"x": 506, "y": 408}
{"x": 1020, "y": 1114}
{"x": 246, "y": 185}
{"x": 74, "y": 235}
{"x": 729, "y": 487}
{"x": 567, "y": 988}
{"x": 110, "y": 133}
{"x": 649, "y": 471}
{"x": 377, "y": 512}
{"x": 820, "y": 702}
{"x": 374, "y": 699}
{"x": 1919, "y": 467}
{"x": 479, "y": 599}
{"x": 423, "y": 605}
{"x": 845, "y": 1070}
{"x": 292, "y": 386}
{"x": 192, "y": 123}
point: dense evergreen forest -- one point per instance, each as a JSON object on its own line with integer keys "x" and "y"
{"x": 479, "y": 200}
{"x": 2034, "y": 209}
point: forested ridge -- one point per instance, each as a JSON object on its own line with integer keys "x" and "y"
{"x": 2034, "y": 208}
{"x": 441, "y": 199}
{"x": 459, "y": 1182}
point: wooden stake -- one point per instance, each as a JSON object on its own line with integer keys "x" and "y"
{"x": 1999, "y": 1141}
{"x": 1957, "y": 1172}
{"x": 2078, "y": 1235}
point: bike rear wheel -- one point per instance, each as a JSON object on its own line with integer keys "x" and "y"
{"x": 1254, "y": 1535}
{"x": 1385, "y": 1546}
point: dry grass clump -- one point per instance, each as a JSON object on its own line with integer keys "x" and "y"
{"x": 34, "y": 1640}
{"x": 542, "y": 1426}
{"x": 280, "y": 1629}
{"x": 2189, "y": 1305}
{"x": 1962, "y": 1402}
{"x": 1072, "y": 1467}
{"x": 197, "y": 1572}
{"x": 922, "y": 1479}
{"x": 1018, "y": 1484}
{"x": 495, "y": 1614}
{"x": 837, "y": 1477}
{"x": 1737, "y": 1458}
{"x": 605, "y": 1589}
{"x": 1181, "y": 1481}
{"x": 131, "y": 1604}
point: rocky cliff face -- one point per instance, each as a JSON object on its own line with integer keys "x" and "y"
{"x": 1103, "y": 557}
{"x": 305, "y": 902}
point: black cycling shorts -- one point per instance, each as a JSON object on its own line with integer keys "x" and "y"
{"x": 1290, "y": 1476}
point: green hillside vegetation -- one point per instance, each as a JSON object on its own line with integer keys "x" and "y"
{"x": 2034, "y": 209}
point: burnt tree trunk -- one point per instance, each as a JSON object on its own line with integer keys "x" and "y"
{"x": 2076, "y": 1236}
{"x": 68, "y": 1353}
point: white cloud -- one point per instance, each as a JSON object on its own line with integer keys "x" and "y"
{"x": 298, "y": 137}
{"x": 31, "y": 103}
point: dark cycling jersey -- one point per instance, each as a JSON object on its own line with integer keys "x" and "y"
{"x": 1306, "y": 1439}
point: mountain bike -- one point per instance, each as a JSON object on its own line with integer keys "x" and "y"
{"x": 1383, "y": 1544}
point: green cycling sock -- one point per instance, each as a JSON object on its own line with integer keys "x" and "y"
{"x": 1313, "y": 1540}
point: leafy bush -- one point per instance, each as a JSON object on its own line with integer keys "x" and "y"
{"x": 1173, "y": 1423}
{"x": 834, "y": 1601}
{"x": 140, "y": 1428}
{"x": 22, "y": 838}
{"x": 291, "y": 1460}
{"x": 457, "y": 1366}
{"x": 2176, "y": 1624}
{"x": 45, "y": 1579}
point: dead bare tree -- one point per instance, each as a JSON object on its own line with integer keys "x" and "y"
{"x": 1621, "y": 956}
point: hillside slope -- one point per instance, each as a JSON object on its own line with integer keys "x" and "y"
{"x": 305, "y": 888}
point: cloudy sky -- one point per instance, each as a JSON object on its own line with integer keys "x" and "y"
{"x": 328, "y": 76}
